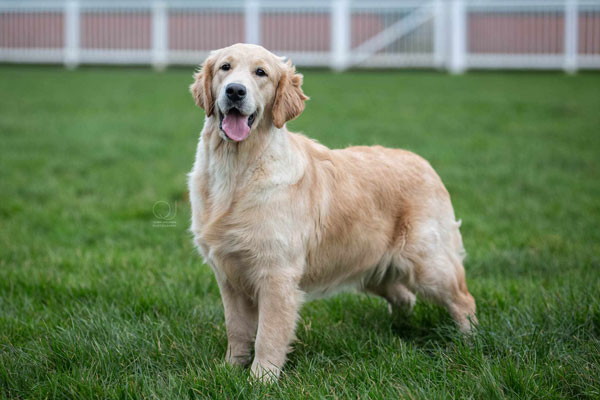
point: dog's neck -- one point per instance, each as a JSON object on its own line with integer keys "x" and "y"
{"x": 267, "y": 159}
{"x": 233, "y": 164}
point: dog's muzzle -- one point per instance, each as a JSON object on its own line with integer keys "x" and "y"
{"x": 237, "y": 114}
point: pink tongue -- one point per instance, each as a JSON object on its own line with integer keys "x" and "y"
{"x": 236, "y": 126}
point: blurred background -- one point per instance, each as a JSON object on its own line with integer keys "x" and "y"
{"x": 452, "y": 34}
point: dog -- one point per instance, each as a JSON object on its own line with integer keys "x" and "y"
{"x": 281, "y": 218}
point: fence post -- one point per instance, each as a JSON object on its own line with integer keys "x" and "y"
{"x": 160, "y": 35}
{"x": 439, "y": 33}
{"x": 252, "y": 21}
{"x": 458, "y": 37}
{"x": 72, "y": 32}
{"x": 571, "y": 36}
{"x": 340, "y": 34}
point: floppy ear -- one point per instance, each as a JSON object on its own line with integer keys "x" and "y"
{"x": 202, "y": 87}
{"x": 289, "y": 98}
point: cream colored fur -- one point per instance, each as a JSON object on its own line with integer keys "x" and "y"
{"x": 279, "y": 216}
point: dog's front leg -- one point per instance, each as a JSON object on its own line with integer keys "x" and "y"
{"x": 279, "y": 301}
{"x": 240, "y": 320}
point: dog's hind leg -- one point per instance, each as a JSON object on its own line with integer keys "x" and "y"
{"x": 397, "y": 295}
{"x": 442, "y": 281}
{"x": 436, "y": 270}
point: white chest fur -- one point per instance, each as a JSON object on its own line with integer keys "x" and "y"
{"x": 242, "y": 208}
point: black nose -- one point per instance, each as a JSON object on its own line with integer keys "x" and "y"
{"x": 235, "y": 91}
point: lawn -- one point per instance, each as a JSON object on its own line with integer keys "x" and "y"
{"x": 101, "y": 298}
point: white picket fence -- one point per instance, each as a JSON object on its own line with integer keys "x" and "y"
{"x": 452, "y": 34}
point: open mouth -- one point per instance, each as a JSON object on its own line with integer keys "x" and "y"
{"x": 235, "y": 124}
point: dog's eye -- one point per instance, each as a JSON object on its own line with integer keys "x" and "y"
{"x": 261, "y": 72}
{"x": 226, "y": 67}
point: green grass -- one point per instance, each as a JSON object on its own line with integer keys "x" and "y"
{"x": 97, "y": 302}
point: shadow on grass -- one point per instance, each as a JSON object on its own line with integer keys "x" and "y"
{"x": 348, "y": 329}
{"x": 427, "y": 326}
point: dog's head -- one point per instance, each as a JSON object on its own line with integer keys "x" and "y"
{"x": 244, "y": 86}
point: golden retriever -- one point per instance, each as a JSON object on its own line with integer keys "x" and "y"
{"x": 280, "y": 217}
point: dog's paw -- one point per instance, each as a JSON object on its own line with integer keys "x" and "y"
{"x": 266, "y": 374}
{"x": 239, "y": 360}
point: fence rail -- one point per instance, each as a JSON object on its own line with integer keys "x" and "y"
{"x": 452, "y": 34}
